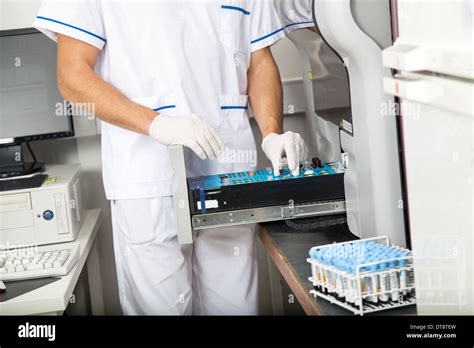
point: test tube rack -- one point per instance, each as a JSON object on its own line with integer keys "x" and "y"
{"x": 353, "y": 290}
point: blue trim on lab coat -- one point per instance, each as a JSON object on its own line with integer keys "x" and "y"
{"x": 72, "y": 26}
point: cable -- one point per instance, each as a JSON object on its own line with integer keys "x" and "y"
{"x": 306, "y": 225}
{"x": 32, "y": 153}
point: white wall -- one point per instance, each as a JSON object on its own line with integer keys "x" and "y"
{"x": 18, "y": 14}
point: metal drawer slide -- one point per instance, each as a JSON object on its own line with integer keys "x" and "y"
{"x": 267, "y": 214}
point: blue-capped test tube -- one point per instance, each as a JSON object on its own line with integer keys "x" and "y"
{"x": 325, "y": 260}
{"x": 339, "y": 283}
{"x": 350, "y": 255}
{"x": 368, "y": 288}
{"x": 403, "y": 275}
{"x": 355, "y": 281}
{"x": 347, "y": 282}
{"x": 321, "y": 273}
{"x": 374, "y": 279}
{"x": 394, "y": 285}
{"x": 384, "y": 281}
{"x": 330, "y": 273}
{"x": 313, "y": 254}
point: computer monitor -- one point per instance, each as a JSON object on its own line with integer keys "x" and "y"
{"x": 31, "y": 107}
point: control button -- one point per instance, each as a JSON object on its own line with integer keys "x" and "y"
{"x": 48, "y": 215}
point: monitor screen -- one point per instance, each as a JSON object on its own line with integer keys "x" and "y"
{"x": 31, "y": 107}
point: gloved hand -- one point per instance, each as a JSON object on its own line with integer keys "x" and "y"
{"x": 290, "y": 145}
{"x": 189, "y": 130}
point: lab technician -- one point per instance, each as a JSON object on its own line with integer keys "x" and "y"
{"x": 174, "y": 72}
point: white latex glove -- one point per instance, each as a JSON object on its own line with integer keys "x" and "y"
{"x": 290, "y": 145}
{"x": 188, "y": 130}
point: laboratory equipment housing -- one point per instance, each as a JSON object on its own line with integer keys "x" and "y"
{"x": 386, "y": 85}
{"x": 394, "y": 90}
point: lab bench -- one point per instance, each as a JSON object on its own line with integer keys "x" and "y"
{"x": 288, "y": 250}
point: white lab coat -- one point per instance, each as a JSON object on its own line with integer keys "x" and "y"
{"x": 295, "y": 14}
{"x": 175, "y": 57}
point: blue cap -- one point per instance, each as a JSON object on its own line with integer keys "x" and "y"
{"x": 403, "y": 262}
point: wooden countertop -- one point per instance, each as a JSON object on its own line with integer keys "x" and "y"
{"x": 289, "y": 250}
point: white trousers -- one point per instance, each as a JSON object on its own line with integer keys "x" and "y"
{"x": 217, "y": 275}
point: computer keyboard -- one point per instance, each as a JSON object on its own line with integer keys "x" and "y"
{"x": 38, "y": 262}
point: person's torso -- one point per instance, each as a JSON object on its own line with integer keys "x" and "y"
{"x": 176, "y": 57}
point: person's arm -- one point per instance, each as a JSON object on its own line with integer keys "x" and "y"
{"x": 266, "y": 100}
{"x": 266, "y": 92}
{"x": 78, "y": 83}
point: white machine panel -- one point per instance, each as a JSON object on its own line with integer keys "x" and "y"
{"x": 373, "y": 180}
